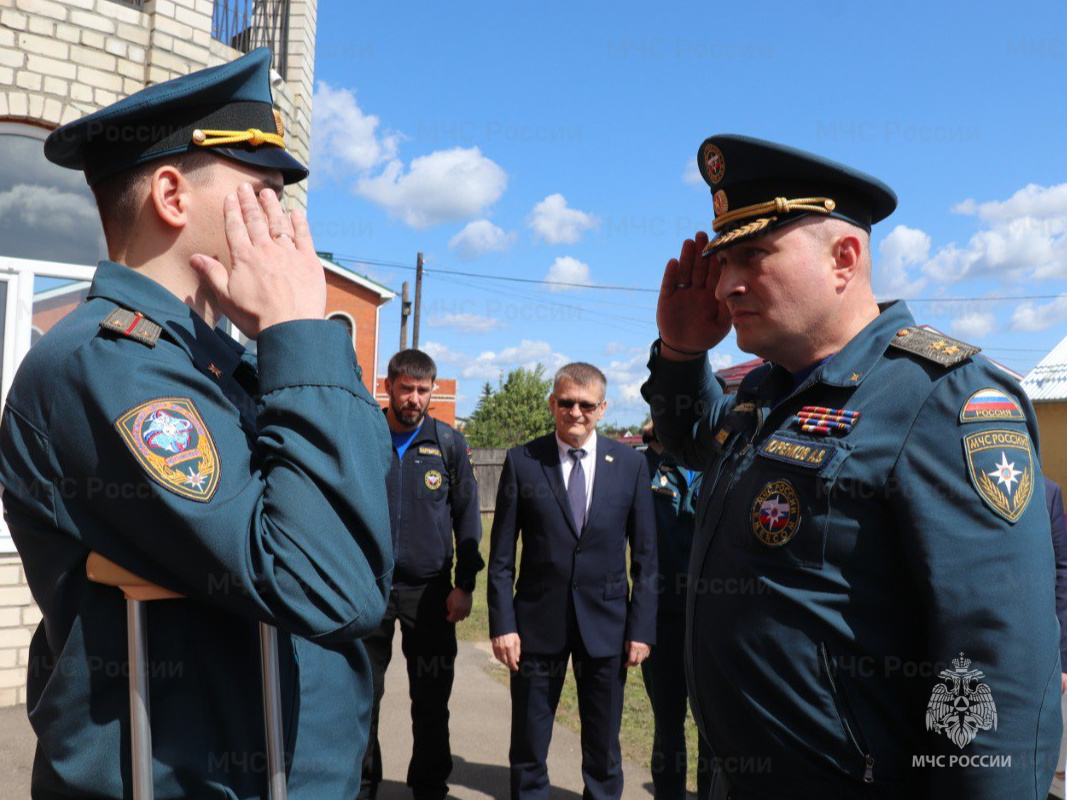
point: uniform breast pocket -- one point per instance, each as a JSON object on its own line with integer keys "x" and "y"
{"x": 432, "y": 479}
{"x": 787, "y": 494}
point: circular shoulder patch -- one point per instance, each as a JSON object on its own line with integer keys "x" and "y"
{"x": 776, "y": 513}
{"x": 433, "y": 479}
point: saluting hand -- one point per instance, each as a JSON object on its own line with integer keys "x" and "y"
{"x": 274, "y": 275}
{"x": 689, "y": 316}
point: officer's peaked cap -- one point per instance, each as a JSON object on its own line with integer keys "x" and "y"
{"x": 758, "y": 186}
{"x": 227, "y": 110}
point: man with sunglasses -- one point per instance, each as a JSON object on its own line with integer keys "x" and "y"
{"x": 577, "y": 500}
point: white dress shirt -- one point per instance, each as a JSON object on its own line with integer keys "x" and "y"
{"x": 588, "y": 466}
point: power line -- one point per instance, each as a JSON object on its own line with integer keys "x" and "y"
{"x": 615, "y": 288}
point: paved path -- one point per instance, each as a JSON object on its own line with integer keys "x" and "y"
{"x": 481, "y": 718}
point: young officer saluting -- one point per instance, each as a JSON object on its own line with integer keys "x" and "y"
{"x": 138, "y": 430}
{"x": 432, "y": 492}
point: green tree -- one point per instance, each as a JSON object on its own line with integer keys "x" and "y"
{"x": 515, "y": 413}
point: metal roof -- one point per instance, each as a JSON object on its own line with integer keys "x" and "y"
{"x": 1048, "y": 380}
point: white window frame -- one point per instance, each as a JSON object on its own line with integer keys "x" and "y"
{"x": 20, "y": 275}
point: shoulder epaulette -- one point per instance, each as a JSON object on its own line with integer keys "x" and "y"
{"x": 132, "y": 325}
{"x": 932, "y": 346}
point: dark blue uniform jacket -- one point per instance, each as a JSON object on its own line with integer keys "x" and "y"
{"x": 256, "y": 492}
{"x": 835, "y": 578}
{"x": 673, "y": 499}
{"x": 426, "y": 507}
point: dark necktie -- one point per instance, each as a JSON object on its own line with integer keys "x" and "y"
{"x": 576, "y": 487}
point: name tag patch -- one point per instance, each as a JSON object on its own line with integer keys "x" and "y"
{"x": 797, "y": 452}
{"x": 427, "y": 450}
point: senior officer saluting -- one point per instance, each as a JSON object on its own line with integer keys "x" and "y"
{"x": 432, "y": 491}
{"x": 258, "y": 493}
{"x": 870, "y": 601}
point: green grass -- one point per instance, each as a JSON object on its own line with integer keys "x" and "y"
{"x": 637, "y": 722}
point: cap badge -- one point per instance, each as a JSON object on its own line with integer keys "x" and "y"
{"x": 715, "y": 164}
{"x": 721, "y": 204}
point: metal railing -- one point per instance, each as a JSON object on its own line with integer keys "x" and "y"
{"x": 247, "y": 24}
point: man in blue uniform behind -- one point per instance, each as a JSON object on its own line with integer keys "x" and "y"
{"x": 432, "y": 492}
{"x": 870, "y": 606}
{"x": 674, "y": 493}
{"x": 138, "y": 430}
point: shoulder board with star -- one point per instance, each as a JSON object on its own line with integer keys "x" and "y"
{"x": 932, "y": 346}
{"x": 133, "y": 325}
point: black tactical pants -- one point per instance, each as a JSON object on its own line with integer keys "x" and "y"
{"x": 428, "y": 641}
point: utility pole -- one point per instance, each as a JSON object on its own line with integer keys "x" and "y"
{"x": 418, "y": 302}
{"x": 405, "y": 312}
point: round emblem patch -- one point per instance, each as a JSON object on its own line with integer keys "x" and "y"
{"x": 714, "y": 163}
{"x": 776, "y": 513}
{"x": 721, "y": 204}
{"x": 433, "y": 479}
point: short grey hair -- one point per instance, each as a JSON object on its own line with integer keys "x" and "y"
{"x": 580, "y": 373}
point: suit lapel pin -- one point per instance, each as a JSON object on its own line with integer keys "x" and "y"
{"x": 609, "y": 458}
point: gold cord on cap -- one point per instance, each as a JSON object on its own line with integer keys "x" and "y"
{"x": 778, "y": 206}
{"x": 252, "y": 136}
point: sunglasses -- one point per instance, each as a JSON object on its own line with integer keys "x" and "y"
{"x": 584, "y": 406}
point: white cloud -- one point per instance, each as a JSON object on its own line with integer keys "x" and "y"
{"x": 490, "y": 365}
{"x": 721, "y": 361}
{"x": 555, "y": 223}
{"x": 692, "y": 175}
{"x": 974, "y": 325}
{"x": 567, "y": 270}
{"x": 1023, "y": 239}
{"x": 349, "y": 145}
{"x": 480, "y": 237}
{"x": 466, "y": 323}
{"x": 903, "y": 248}
{"x": 343, "y": 138}
{"x": 444, "y": 186}
{"x": 1031, "y": 317}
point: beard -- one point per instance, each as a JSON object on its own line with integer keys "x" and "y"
{"x": 409, "y": 417}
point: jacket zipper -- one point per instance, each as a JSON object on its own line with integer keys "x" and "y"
{"x": 844, "y": 711}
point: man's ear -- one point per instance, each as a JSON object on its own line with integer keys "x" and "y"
{"x": 848, "y": 258}
{"x": 168, "y": 194}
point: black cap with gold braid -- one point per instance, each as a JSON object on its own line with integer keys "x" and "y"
{"x": 758, "y": 186}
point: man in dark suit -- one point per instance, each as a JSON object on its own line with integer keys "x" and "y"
{"x": 577, "y": 500}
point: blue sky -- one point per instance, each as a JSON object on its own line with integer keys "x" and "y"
{"x": 557, "y": 141}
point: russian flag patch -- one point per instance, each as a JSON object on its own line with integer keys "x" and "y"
{"x": 991, "y": 405}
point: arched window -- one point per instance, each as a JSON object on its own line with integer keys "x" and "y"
{"x": 347, "y": 321}
{"x": 47, "y": 213}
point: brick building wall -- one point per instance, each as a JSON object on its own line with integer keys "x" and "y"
{"x": 360, "y": 305}
{"x": 63, "y": 59}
